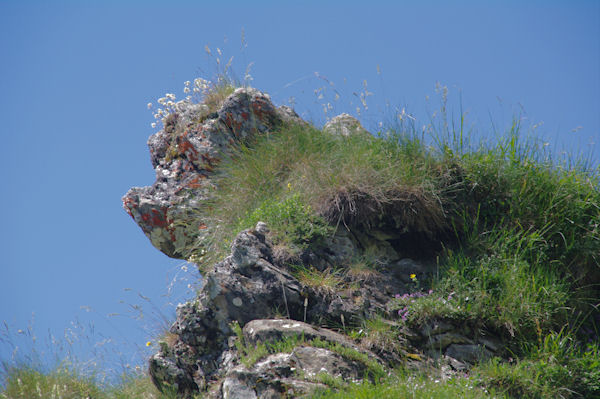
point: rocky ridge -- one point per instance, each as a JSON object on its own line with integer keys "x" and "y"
{"x": 205, "y": 350}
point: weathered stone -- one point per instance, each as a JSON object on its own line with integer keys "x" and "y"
{"x": 442, "y": 341}
{"x": 234, "y": 388}
{"x": 272, "y": 330}
{"x": 314, "y": 361}
{"x": 271, "y": 378}
{"x": 340, "y": 249}
{"x": 456, "y": 364}
{"x": 290, "y": 374}
{"x": 184, "y": 155}
{"x": 435, "y": 327}
{"x": 490, "y": 343}
{"x": 345, "y": 125}
{"x": 468, "y": 353}
{"x": 166, "y": 372}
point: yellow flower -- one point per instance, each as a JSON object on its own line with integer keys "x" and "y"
{"x": 148, "y": 343}
{"x": 289, "y": 186}
{"x": 413, "y": 276}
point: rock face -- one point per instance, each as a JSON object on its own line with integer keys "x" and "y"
{"x": 256, "y": 329}
{"x": 245, "y": 288}
{"x": 184, "y": 155}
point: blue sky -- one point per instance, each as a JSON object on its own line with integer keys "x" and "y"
{"x": 75, "y": 79}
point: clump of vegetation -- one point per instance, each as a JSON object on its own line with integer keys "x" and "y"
{"x": 363, "y": 268}
{"x": 412, "y": 385}
{"x": 326, "y": 282}
{"x": 517, "y": 233}
{"x": 24, "y": 382}
{"x": 292, "y": 221}
{"x": 557, "y": 367}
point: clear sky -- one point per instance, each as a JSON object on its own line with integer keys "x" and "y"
{"x": 75, "y": 78}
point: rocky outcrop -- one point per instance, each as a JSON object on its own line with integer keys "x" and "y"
{"x": 184, "y": 154}
{"x": 256, "y": 328}
{"x": 247, "y": 286}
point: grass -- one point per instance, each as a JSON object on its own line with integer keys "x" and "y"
{"x": 378, "y": 333}
{"x": 417, "y": 385}
{"x": 326, "y": 181}
{"x": 363, "y": 268}
{"x": 519, "y": 231}
{"x": 326, "y": 282}
{"x": 557, "y": 367}
{"x": 62, "y": 383}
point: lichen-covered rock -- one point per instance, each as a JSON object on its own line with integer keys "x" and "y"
{"x": 345, "y": 125}
{"x": 284, "y": 375}
{"x": 184, "y": 154}
{"x": 246, "y": 287}
{"x": 292, "y": 374}
{"x": 274, "y": 377}
{"x": 272, "y": 330}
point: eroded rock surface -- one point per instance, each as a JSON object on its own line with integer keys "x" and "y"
{"x": 184, "y": 154}
{"x": 245, "y": 288}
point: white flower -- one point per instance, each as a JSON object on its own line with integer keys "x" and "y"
{"x": 149, "y": 105}
{"x": 186, "y": 90}
{"x": 153, "y": 124}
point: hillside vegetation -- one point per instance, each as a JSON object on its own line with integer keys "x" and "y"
{"x": 514, "y": 234}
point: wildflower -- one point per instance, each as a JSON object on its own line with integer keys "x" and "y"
{"x": 153, "y": 124}
{"x": 148, "y": 343}
{"x": 149, "y": 105}
{"x": 289, "y": 186}
{"x": 413, "y": 276}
